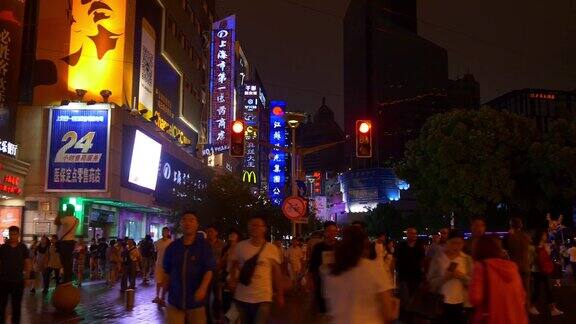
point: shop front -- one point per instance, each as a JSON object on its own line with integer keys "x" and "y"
{"x": 12, "y": 175}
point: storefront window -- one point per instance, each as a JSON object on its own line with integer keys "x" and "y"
{"x": 134, "y": 230}
{"x": 156, "y": 231}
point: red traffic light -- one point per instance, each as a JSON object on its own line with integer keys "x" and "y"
{"x": 238, "y": 126}
{"x": 364, "y": 127}
{"x": 237, "y": 139}
{"x": 363, "y": 139}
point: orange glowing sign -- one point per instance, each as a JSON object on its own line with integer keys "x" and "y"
{"x": 97, "y": 47}
{"x": 546, "y": 96}
{"x": 81, "y": 47}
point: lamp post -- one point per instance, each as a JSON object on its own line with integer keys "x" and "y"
{"x": 294, "y": 119}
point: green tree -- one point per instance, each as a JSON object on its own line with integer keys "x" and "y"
{"x": 485, "y": 162}
{"x": 227, "y": 202}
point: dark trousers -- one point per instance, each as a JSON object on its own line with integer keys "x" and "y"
{"x": 66, "y": 249}
{"x": 14, "y": 291}
{"x": 257, "y": 313}
{"x": 129, "y": 274}
{"x": 48, "y": 275}
{"x": 573, "y": 264}
{"x": 541, "y": 281}
{"x": 453, "y": 314}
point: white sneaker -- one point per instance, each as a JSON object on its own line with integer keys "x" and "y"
{"x": 556, "y": 312}
{"x": 533, "y": 311}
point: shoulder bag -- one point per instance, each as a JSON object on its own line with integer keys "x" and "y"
{"x": 247, "y": 271}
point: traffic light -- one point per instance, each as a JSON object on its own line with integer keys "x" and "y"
{"x": 363, "y": 139}
{"x": 237, "y": 139}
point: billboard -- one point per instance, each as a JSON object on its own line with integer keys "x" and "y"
{"x": 147, "y": 67}
{"x": 11, "y": 24}
{"x": 145, "y": 161}
{"x": 222, "y": 84}
{"x": 9, "y": 216}
{"x": 78, "y": 143}
{"x": 80, "y": 45}
{"x": 279, "y": 138}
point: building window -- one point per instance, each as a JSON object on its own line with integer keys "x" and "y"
{"x": 173, "y": 28}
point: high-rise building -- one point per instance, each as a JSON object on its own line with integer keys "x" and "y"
{"x": 543, "y": 106}
{"x": 391, "y": 75}
{"x": 113, "y": 101}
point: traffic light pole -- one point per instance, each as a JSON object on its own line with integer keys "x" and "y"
{"x": 293, "y": 174}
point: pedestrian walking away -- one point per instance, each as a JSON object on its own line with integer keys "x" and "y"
{"x": 67, "y": 224}
{"x": 161, "y": 245}
{"x": 496, "y": 290}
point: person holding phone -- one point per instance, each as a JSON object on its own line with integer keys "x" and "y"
{"x": 449, "y": 275}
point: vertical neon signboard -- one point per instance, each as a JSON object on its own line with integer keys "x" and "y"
{"x": 250, "y": 116}
{"x": 222, "y": 74}
{"x": 278, "y": 137}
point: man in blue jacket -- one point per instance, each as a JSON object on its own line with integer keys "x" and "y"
{"x": 189, "y": 265}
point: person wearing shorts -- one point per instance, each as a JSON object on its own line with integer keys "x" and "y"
{"x": 159, "y": 273}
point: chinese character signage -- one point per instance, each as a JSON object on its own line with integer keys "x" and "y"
{"x": 250, "y": 116}
{"x": 80, "y": 45}
{"x": 222, "y": 74}
{"x": 278, "y": 137}
{"x": 176, "y": 180}
{"x": 147, "y": 62}
{"x": 10, "y": 183}
{"x": 78, "y": 149}
{"x": 317, "y": 184}
{"x": 11, "y": 23}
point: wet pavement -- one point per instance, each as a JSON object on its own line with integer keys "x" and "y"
{"x": 102, "y": 304}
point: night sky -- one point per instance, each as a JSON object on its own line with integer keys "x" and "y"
{"x": 296, "y": 45}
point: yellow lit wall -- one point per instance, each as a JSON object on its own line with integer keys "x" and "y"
{"x": 100, "y": 65}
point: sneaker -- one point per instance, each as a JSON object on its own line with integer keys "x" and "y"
{"x": 161, "y": 303}
{"x": 556, "y": 312}
{"x": 156, "y": 300}
{"x": 533, "y": 311}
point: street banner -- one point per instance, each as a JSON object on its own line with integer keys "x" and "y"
{"x": 78, "y": 144}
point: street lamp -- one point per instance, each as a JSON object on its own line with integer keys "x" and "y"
{"x": 293, "y": 119}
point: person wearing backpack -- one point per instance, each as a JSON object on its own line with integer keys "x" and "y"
{"x": 189, "y": 267}
{"x": 255, "y": 272}
{"x": 541, "y": 272}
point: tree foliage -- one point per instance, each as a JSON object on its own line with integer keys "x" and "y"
{"x": 474, "y": 162}
{"x": 228, "y": 202}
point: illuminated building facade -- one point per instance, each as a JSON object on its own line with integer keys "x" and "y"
{"x": 541, "y": 105}
{"x": 144, "y": 67}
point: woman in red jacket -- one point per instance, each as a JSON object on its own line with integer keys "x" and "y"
{"x": 495, "y": 290}
{"x": 541, "y": 272}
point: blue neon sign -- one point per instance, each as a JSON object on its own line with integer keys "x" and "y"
{"x": 279, "y": 138}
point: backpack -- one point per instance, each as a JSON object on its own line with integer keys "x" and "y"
{"x": 249, "y": 267}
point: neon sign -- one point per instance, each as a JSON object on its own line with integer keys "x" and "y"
{"x": 278, "y": 137}
{"x": 222, "y": 80}
{"x": 250, "y": 116}
{"x": 10, "y": 184}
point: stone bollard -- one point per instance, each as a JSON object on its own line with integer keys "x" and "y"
{"x": 130, "y": 294}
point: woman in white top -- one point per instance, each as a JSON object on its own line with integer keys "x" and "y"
{"x": 355, "y": 287}
{"x": 53, "y": 266}
{"x": 449, "y": 275}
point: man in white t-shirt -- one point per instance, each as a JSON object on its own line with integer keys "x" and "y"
{"x": 160, "y": 247}
{"x": 67, "y": 224}
{"x": 254, "y": 299}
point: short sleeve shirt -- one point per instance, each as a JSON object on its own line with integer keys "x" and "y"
{"x": 68, "y": 227}
{"x": 260, "y": 288}
{"x": 353, "y": 295}
{"x": 161, "y": 246}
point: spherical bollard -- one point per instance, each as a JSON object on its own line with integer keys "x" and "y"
{"x": 66, "y": 297}
{"x": 130, "y": 294}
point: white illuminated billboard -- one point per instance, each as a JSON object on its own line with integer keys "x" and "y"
{"x": 145, "y": 161}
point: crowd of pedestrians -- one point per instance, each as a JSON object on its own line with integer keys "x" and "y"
{"x": 206, "y": 277}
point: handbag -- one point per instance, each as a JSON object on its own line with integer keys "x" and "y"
{"x": 247, "y": 271}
